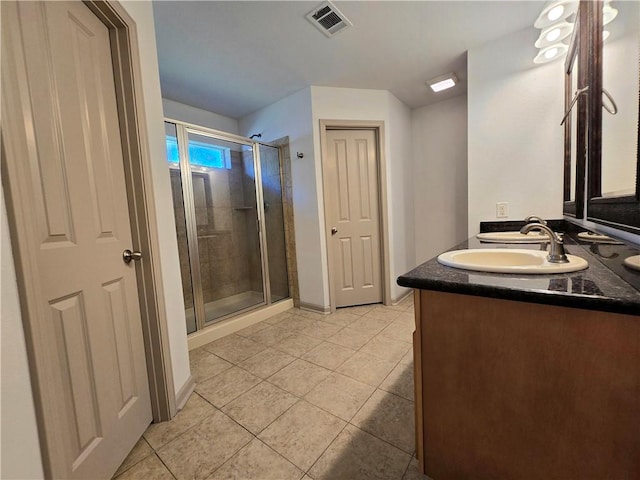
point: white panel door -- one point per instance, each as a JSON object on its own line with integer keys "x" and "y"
{"x": 352, "y": 216}
{"x": 66, "y": 173}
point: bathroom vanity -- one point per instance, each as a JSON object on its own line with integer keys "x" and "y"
{"x": 528, "y": 376}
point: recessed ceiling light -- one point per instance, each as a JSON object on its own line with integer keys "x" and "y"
{"x": 443, "y": 82}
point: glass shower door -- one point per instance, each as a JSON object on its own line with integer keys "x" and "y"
{"x": 214, "y": 193}
{"x": 274, "y": 222}
{"x": 180, "y": 215}
{"x": 224, "y": 198}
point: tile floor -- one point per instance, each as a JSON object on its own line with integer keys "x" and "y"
{"x": 298, "y": 396}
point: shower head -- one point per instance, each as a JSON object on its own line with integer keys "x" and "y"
{"x": 258, "y": 135}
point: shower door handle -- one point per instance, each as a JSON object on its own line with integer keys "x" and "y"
{"x": 334, "y": 230}
{"x": 128, "y": 255}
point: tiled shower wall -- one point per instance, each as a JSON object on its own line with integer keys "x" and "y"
{"x": 250, "y": 222}
{"x": 222, "y": 231}
{"x": 181, "y": 232}
{"x": 224, "y": 201}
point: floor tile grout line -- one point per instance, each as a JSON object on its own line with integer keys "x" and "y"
{"x": 356, "y": 413}
{"x": 369, "y": 433}
{"x": 237, "y": 423}
{"x": 327, "y": 448}
{"x": 407, "y": 467}
{"x": 283, "y": 412}
{"x": 165, "y": 465}
{"x": 276, "y": 419}
{"x": 188, "y": 429}
{"x": 285, "y": 366}
{"x": 255, "y": 437}
{"x": 306, "y": 472}
{"x": 135, "y": 463}
{"x": 381, "y": 439}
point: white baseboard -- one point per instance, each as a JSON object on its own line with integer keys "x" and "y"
{"x": 185, "y": 392}
{"x": 315, "y": 308}
{"x": 227, "y": 327}
{"x": 402, "y": 297}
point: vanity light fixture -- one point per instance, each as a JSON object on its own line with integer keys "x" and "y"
{"x": 608, "y": 13}
{"x": 555, "y": 28}
{"x": 554, "y": 33}
{"x": 443, "y": 82}
{"x": 556, "y": 11}
{"x": 550, "y": 53}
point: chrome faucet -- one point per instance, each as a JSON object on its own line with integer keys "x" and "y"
{"x": 535, "y": 219}
{"x": 556, "y": 243}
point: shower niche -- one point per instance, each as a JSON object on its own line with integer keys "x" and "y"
{"x": 228, "y": 207}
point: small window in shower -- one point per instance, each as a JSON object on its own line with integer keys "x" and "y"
{"x": 200, "y": 154}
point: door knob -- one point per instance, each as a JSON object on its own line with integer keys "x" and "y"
{"x": 334, "y": 230}
{"x": 128, "y": 255}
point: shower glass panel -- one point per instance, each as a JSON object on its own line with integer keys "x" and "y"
{"x": 274, "y": 221}
{"x": 228, "y": 207}
{"x": 226, "y": 220}
{"x": 181, "y": 226}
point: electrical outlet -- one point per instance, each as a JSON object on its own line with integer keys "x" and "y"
{"x": 502, "y": 210}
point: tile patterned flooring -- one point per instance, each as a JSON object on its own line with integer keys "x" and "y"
{"x": 297, "y": 396}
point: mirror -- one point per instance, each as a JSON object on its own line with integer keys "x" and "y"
{"x": 613, "y": 190}
{"x": 575, "y": 121}
{"x": 620, "y": 79}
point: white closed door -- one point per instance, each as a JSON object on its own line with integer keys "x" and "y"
{"x": 352, "y": 215}
{"x": 67, "y": 194}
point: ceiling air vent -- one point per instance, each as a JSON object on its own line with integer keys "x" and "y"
{"x": 328, "y": 19}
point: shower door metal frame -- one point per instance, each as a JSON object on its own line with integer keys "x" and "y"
{"x": 182, "y": 135}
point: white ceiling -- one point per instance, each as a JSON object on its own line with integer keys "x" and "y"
{"x": 236, "y": 57}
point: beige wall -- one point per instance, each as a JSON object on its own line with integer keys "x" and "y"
{"x": 291, "y": 117}
{"x": 186, "y": 113}
{"x": 142, "y": 13}
{"x": 515, "y": 141}
{"x": 439, "y": 140}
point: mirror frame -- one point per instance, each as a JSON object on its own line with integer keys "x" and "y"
{"x": 621, "y": 212}
{"x": 577, "y": 52}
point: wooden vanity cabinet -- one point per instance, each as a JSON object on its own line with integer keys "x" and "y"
{"x": 513, "y": 390}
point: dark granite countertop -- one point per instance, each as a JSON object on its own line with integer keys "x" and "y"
{"x": 606, "y": 285}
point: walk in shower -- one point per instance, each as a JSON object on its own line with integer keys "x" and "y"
{"x": 230, "y": 226}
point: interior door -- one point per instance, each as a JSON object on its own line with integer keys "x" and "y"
{"x": 67, "y": 200}
{"x": 352, "y": 215}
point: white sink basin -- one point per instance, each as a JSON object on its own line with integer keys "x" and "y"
{"x": 598, "y": 238}
{"x": 633, "y": 262}
{"x": 512, "y": 237}
{"x": 503, "y": 260}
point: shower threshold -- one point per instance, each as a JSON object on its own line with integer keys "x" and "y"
{"x": 218, "y": 309}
